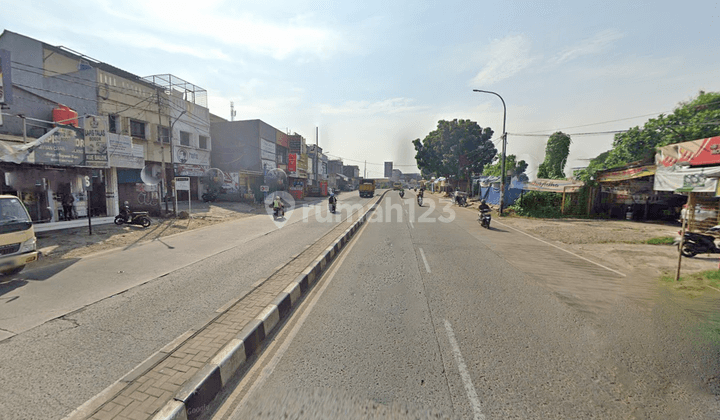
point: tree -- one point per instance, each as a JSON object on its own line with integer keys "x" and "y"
{"x": 511, "y": 164}
{"x": 556, "y": 154}
{"x": 697, "y": 119}
{"x": 455, "y": 147}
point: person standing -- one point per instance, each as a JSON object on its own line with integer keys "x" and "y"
{"x": 67, "y": 204}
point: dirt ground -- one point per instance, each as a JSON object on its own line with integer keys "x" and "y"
{"x": 615, "y": 243}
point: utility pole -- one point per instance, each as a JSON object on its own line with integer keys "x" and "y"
{"x": 232, "y": 111}
{"x": 365, "y": 170}
{"x": 163, "y": 182}
{"x": 316, "y": 155}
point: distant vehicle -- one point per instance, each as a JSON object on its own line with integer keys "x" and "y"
{"x": 18, "y": 245}
{"x": 397, "y": 186}
{"x": 367, "y": 188}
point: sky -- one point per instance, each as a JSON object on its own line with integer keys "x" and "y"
{"x": 375, "y": 75}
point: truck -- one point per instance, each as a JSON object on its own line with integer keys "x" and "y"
{"x": 18, "y": 245}
{"x": 367, "y": 188}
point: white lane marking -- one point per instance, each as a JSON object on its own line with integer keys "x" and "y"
{"x": 277, "y": 356}
{"x": 469, "y": 388}
{"x": 411, "y": 224}
{"x": 422, "y": 254}
{"x": 563, "y": 249}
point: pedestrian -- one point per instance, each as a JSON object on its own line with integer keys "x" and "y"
{"x": 67, "y": 204}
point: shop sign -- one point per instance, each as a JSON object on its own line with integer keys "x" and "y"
{"x": 625, "y": 174}
{"x": 186, "y": 155}
{"x": 185, "y": 169}
{"x": 268, "y": 165}
{"x": 267, "y": 150}
{"x": 182, "y": 183}
{"x": 292, "y": 162}
{"x": 295, "y": 145}
{"x": 64, "y": 147}
{"x": 696, "y": 152}
{"x": 282, "y": 139}
{"x": 553, "y": 185}
{"x": 302, "y": 162}
{"x": 96, "y": 141}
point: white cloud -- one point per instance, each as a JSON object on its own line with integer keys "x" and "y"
{"x": 507, "y": 57}
{"x": 597, "y": 44}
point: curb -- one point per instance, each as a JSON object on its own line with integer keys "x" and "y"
{"x": 199, "y": 392}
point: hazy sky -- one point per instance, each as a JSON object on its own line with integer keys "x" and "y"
{"x": 374, "y": 75}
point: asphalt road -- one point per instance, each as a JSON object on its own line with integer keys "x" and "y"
{"x": 72, "y": 330}
{"x": 422, "y": 318}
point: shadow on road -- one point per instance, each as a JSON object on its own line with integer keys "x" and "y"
{"x": 45, "y": 272}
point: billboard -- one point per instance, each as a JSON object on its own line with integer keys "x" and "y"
{"x": 388, "y": 169}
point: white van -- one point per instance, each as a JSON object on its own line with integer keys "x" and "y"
{"x": 18, "y": 245}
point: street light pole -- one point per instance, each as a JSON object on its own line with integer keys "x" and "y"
{"x": 504, "y": 146}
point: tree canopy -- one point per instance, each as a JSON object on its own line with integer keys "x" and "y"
{"x": 454, "y": 147}
{"x": 517, "y": 168}
{"x": 556, "y": 155}
{"x": 697, "y": 119}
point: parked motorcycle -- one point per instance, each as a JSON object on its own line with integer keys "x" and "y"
{"x": 698, "y": 243}
{"x": 461, "y": 200}
{"x": 484, "y": 218}
{"x": 210, "y": 195}
{"x": 129, "y": 217}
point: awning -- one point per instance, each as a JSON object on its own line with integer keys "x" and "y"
{"x": 19, "y": 152}
{"x": 343, "y": 177}
{"x": 625, "y": 174}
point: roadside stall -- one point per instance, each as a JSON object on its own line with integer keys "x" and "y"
{"x": 568, "y": 187}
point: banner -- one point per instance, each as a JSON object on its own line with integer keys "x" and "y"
{"x": 267, "y": 150}
{"x": 625, "y": 174}
{"x": 64, "y": 147}
{"x": 553, "y": 185}
{"x": 685, "y": 179}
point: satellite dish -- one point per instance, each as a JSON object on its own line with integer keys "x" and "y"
{"x": 151, "y": 174}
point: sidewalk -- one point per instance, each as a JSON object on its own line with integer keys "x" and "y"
{"x": 182, "y": 379}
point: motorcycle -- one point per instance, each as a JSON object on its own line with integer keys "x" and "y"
{"x": 484, "y": 218}
{"x": 419, "y": 200}
{"x": 210, "y": 195}
{"x": 126, "y": 216}
{"x": 402, "y": 194}
{"x": 461, "y": 200}
{"x": 698, "y": 243}
{"x": 332, "y": 207}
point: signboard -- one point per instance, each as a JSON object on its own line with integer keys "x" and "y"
{"x": 553, "y": 185}
{"x": 267, "y": 150}
{"x": 295, "y": 145}
{"x": 624, "y": 174}
{"x": 292, "y": 162}
{"x": 64, "y": 147}
{"x": 185, "y": 169}
{"x": 282, "y": 139}
{"x": 96, "y": 141}
{"x": 302, "y": 162}
{"x": 696, "y": 152}
{"x": 187, "y": 155}
{"x": 122, "y": 153}
{"x": 264, "y": 188}
{"x": 268, "y": 165}
{"x": 182, "y": 183}
{"x": 683, "y": 179}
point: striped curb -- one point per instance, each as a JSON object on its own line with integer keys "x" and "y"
{"x": 196, "y": 395}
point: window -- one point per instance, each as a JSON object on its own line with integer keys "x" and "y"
{"x": 163, "y": 134}
{"x": 184, "y": 138}
{"x": 203, "y": 142}
{"x": 113, "y": 123}
{"x": 137, "y": 129}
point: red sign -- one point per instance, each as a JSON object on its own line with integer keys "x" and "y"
{"x": 696, "y": 152}
{"x": 292, "y": 162}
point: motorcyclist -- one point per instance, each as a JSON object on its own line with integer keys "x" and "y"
{"x": 483, "y": 206}
{"x": 421, "y": 193}
{"x": 332, "y": 200}
{"x": 278, "y": 205}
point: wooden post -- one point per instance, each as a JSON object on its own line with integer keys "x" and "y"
{"x": 690, "y": 207}
{"x": 562, "y": 206}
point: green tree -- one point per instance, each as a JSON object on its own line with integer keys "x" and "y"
{"x": 556, "y": 154}
{"x": 517, "y": 168}
{"x": 454, "y": 147}
{"x": 693, "y": 120}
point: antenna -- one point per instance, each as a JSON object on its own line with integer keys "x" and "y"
{"x": 233, "y": 113}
